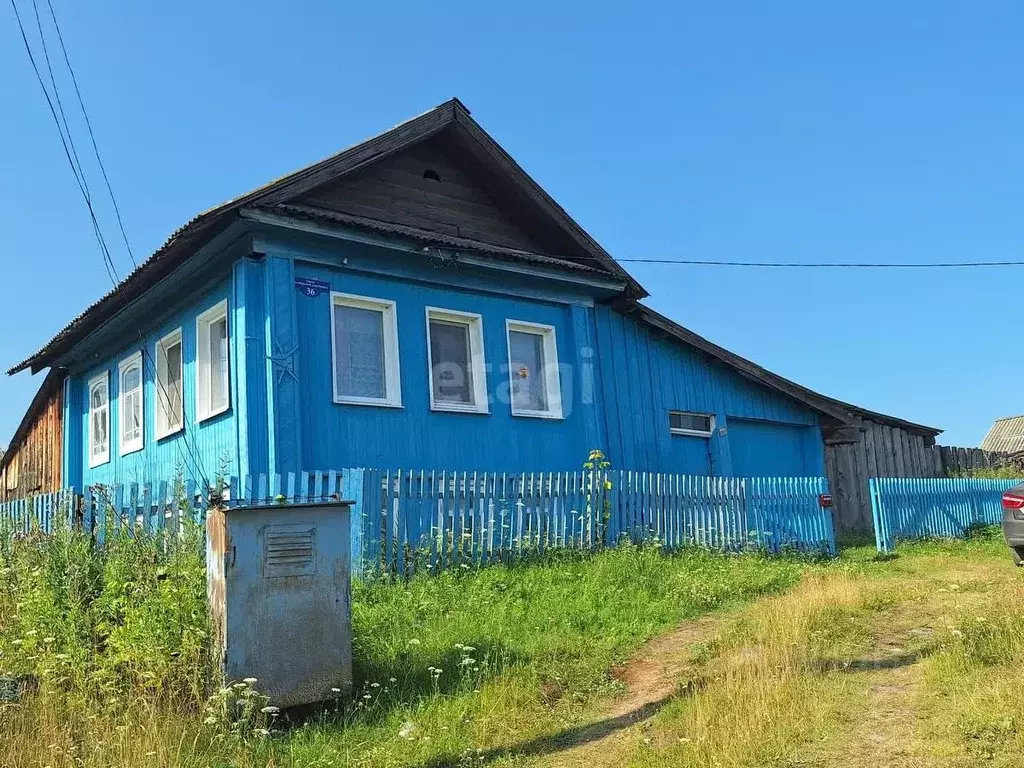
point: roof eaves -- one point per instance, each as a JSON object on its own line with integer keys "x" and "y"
{"x": 426, "y": 237}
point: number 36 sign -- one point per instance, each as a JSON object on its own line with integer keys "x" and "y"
{"x": 312, "y": 288}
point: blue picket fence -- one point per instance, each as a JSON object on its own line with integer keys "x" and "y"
{"x": 915, "y": 508}
{"x": 402, "y": 519}
{"x": 446, "y": 519}
{"x": 41, "y": 512}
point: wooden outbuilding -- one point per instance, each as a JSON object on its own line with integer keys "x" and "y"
{"x": 33, "y": 460}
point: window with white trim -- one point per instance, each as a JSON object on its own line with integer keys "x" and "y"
{"x": 455, "y": 352}
{"x": 130, "y": 400}
{"x": 533, "y": 370}
{"x": 687, "y": 423}
{"x": 99, "y": 420}
{"x": 170, "y": 400}
{"x": 364, "y": 349}
{"x": 212, "y": 395}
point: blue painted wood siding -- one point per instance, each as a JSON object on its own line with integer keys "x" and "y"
{"x": 619, "y": 380}
{"x": 414, "y": 435}
{"x": 199, "y": 452}
{"x": 644, "y": 374}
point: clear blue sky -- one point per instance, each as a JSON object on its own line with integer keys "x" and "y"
{"x": 798, "y": 131}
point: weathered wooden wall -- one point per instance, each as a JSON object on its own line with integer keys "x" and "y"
{"x": 962, "y": 461}
{"x": 878, "y": 450}
{"x": 33, "y": 461}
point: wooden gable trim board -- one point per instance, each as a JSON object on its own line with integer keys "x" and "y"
{"x": 185, "y": 241}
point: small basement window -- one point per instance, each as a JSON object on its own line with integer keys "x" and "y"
{"x": 687, "y": 423}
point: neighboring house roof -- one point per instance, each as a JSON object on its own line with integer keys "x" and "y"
{"x": 449, "y": 116}
{"x": 1005, "y": 436}
{"x": 51, "y": 383}
{"x": 844, "y": 412}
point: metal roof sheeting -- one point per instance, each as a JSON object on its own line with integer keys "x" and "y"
{"x": 1005, "y": 436}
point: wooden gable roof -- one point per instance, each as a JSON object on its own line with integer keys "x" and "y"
{"x": 501, "y": 206}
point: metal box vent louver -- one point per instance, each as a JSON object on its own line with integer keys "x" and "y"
{"x": 289, "y": 550}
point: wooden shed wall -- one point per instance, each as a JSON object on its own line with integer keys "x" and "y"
{"x": 882, "y": 451}
{"x": 35, "y": 462}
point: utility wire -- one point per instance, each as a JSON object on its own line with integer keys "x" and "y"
{"x": 97, "y": 230}
{"x": 824, "y": 265}
{"x": 92, "y": 136}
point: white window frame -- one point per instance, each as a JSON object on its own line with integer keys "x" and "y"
{"x": 103, "y": 458}
{"x": 204, "y": 361}
{"x": 163, "y": 427}
{"x": 692, "y": 432}
{"x": 552, "y": 382}
{"x": 392, "y": 369}
{"x": 135, "y": 444}
{"x": 477, "y": 362}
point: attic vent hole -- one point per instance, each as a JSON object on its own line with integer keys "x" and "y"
{"x": 431, "y": 174}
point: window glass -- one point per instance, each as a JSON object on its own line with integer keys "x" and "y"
{"x": 359, "y": 362}
{"x": 219, "y": 368}
{"x": 99, "y": 423}
{"x": 131, "y": 405}
{"x": 526, "y": 355}
{"x": 451, "y": 375}
{"x": 681, "y": 421}
{"x": 169, "y": 385}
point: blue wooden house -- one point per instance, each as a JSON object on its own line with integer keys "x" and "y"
{"x": 414, "y": 301}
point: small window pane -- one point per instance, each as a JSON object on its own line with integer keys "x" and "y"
{"x": 359, "y": 352}
{"x": 689, "y": 422}
{"x": 131, "y": 378}
{"x": 526, "y": 351}
{"x": 450, "y": 362}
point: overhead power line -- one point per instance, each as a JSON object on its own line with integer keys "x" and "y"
{"x": 72, "y": 156}
{"x": 825, "y": 264}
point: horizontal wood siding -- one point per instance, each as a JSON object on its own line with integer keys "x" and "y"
{"x": 395, "y": 190}
{"x": 34, "y": 464}
{"x": 644, "y": 374}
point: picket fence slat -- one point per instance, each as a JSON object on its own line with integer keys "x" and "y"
{"x": 916, "y": 508}
{"x": 405, "y": 520}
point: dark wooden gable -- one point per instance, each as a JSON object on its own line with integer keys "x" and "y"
{"x": 432, "y": 186}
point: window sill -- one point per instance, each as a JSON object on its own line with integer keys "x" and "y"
{"x": 213, "y": 414}
{"x": 127, "y": 450}
{"x": 367, "y": 402}
{"x": 170, "y": 433}
{"x": 93, "y": 463}
{"x": 454, "y": 408}
{"x": 689, "y": 433}
{"x": 550, "y": 415}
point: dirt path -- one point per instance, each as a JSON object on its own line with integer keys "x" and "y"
{"x": 884, "y": 729}
{"x": 662, "y": 669}
{"x": 884, "y": 680}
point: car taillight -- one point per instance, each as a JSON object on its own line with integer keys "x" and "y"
{"x": 1013, "y": 501}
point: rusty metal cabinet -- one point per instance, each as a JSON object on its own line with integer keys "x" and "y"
{"x": 278, "y": 582}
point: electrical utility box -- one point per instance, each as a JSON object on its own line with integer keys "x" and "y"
{"x": 278, "y": 584}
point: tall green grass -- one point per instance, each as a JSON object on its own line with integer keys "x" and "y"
{"x": 115, "y": 641}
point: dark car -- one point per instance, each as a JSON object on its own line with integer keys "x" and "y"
{"x": 1013, "y": 521}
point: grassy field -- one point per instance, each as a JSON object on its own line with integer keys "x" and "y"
{"x": 629, "y": 657}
